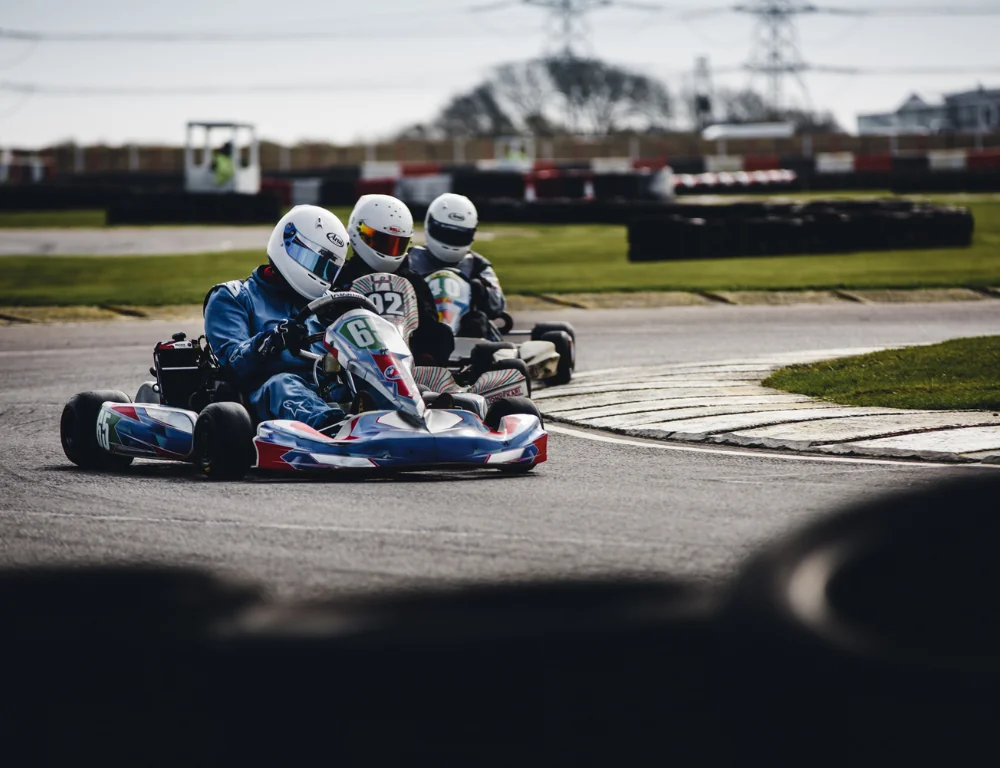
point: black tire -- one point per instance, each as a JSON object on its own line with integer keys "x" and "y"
{"x": 509, "y": 406}
{"x": 223, "y": 441}
{"x": 513, "y": 365}
{"x": 78, "y": 430}
{"x": 541, "y": 329}
{"x": 481, "y": 355}
{"x": 566, "y": 348}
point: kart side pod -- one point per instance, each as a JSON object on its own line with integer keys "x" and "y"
{"x": 145, "y": 430}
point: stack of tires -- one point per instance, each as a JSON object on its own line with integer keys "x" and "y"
{"x": 685, "y": 232}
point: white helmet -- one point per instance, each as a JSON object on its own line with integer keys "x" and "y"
{"x": 308, "y": 247}
{"x": 450, "y": 227}
{"x": 380, "y": 229}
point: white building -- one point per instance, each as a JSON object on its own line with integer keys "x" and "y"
{"x": 975, "y": 111}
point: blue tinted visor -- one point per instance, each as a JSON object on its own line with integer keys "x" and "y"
{"x": 322, "y": 262}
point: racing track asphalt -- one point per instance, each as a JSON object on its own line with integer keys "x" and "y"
{"x": 595, "y": 507}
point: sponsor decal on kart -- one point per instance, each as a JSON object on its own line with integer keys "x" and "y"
{"x": 105, "y": 424}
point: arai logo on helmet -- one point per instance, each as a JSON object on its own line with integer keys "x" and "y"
{"x": 336, "y": 239}
{"x": 456, "y": 217}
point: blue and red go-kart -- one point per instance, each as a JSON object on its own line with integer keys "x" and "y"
{"x": 191, "y": 414}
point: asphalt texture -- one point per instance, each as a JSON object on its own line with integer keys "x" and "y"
{"x": 593, "y": 508}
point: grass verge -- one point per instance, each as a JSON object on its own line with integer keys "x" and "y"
{"x": 962, "y": 374}
{"x": 530, "y": 260}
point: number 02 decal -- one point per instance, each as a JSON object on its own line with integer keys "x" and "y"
{"x": 388, "y": 303}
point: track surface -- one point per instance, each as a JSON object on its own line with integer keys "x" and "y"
{"x": 595, "y": 507}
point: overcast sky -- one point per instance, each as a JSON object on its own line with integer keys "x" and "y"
{"x": 395, "y": 62}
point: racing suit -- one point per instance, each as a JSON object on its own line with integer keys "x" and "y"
{"x": 239, "y": 318}
{"x": 432, "y": 339}
{"x": 487, "y": 300}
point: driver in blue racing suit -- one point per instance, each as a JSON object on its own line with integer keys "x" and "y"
{"x": 250, "y": 323}
{"x": 449, "y": 229}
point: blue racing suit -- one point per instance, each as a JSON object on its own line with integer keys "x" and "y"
{"x": 239, "y": 316}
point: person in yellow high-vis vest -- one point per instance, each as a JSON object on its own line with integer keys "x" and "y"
{"x": 222, "y": 164}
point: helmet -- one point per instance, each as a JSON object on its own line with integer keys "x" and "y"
{"x": 308, "y": 247}
{"x": 380, "y": 229}
{"x": 450, "y": 227}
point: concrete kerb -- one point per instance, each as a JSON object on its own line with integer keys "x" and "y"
{"x": 723, "y": 402}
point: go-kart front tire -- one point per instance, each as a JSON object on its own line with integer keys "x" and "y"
{"x": 223, "y": 441}
{"x": 78, "y": 430}
{"x": 510, "y": 406}
{"x": 566, "y": 348}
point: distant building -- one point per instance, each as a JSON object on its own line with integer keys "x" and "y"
{"x": 915, "y": 116}
{"x": 966, "y": 112}
{"x": 973, "y": 111}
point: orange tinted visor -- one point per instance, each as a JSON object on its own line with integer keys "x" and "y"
{"x": 385, "y": 243}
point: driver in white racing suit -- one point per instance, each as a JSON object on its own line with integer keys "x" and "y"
{"x": 379, "y": 230}
{"x": 450, "y": 229}
{"x": 250, "y": 323}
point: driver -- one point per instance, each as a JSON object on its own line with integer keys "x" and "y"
{"x": 379, "y": 229}
{"x": 449, "y": 229}
{"x": 250, "y": 327}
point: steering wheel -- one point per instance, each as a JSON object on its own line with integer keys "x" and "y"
{"x": 333, "y": 304}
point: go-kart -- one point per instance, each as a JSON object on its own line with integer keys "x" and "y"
{"x": 549, "y": 354}
{"x": 191, "y": 414}
{"x": 475, "y": 385}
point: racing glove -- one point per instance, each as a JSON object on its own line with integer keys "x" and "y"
{"x": 286, "y": 335}
{"x": 479, "y": 298}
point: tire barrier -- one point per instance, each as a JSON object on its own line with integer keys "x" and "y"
{"x": 492, "y": 185}
{"x": 748, "y": 229}
{"x": 869, "y": 637}
{"x": 186, "y": 208}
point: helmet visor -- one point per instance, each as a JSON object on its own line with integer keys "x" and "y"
{"x": 322, "y": 262}
{"x": 449, "y": 234}
{"x": 384, "y": 243}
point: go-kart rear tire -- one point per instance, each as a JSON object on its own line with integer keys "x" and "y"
{"x": 223, "y": 441}
{"x": 541, "y": 329}
{"x": 513, "y": 365}
{"x": 566, "y": 348}
{"x": 481, "y": 355}
{"x": 78, "y": 430}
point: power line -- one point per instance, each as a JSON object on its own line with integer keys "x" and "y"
{"x": 776, "y": 55}
{"x": 319, "y": 30}
{"x": 36, "y": 89}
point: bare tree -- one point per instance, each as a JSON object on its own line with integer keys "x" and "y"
{"x": 476, "y": 113}
{"x": 749, "y": 106}
{"x": 557, "y": 95}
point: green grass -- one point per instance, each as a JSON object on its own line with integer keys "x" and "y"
{"x": 52, "y": 219}
{"x": 962, "y": 374}
{"x": 530, "y": 259}
{"x": 593, "y": 258}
